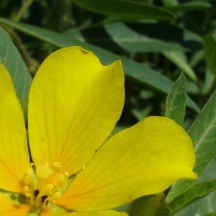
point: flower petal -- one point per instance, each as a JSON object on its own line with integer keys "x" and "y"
{"x": 14, "y": 158}
{"x": 97, "y": 213}
{"x": 8, "y": 208}
{"x": 47, "y": 213}
{"x": 144, "y": 159}
{"x": 74, "y": 104}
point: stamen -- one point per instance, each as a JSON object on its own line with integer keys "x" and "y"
{"x": 57, "y": 166}
{"x": 44, "y": 187}
{"x": 43, "y": 198}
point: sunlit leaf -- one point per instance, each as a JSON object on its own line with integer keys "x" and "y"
{"x": 204, "y": 206}
{"x": 175, "y": 103}
{"x": 11, "y": 58}
{"x": 202, "y": 133}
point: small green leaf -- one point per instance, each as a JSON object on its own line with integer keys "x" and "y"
{"x": 202, "y": 132}
{"x": 210, "y": 52}
{"x": 12, "y": 60}
{"x": 127, "y": 10}
{"x": 150, "y": 206}
{"x": 175, "y": 102}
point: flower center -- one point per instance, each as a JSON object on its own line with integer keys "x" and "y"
{"x": 43, "y": 185}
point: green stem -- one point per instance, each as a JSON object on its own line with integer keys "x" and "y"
{"x": 23, "y": 9}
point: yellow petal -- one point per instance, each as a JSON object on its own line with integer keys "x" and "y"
{"x": 144, "y": 159}
{"x": 47, "y": 213}
{"x": 14, "y": 159}
{"x": 8, "y": 208}
{"x": 97, "y": 213}
{"x": 74, "y": 104}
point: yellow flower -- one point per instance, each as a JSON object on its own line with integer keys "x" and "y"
{"x": 74, "y": 104}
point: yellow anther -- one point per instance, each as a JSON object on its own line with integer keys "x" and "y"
{"x": 28, "y": 176}
{"x": 27, "y": 192}
{"x": 47, "y": 190}
{"x": 63, "y": 178}
{"x": 57, "y": 166}
{"x": 26, "y": 189}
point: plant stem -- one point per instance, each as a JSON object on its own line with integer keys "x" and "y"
{"x": 23, "y": 9}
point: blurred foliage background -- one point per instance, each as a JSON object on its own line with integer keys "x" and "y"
{"x": 157, "y": 40}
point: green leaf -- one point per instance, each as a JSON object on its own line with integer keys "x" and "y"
{"x": 132, "y": 69}
{"x": 199, "y": 190}
{"x": 209, "y": 214}
{"x": 204, "y": 206}
{"x": 202, "y": 132}
{"x": 170, "y": 3}
{"x": 150, "y": 206}
{"x": 190, "y": 6}
{"x": 180, "y": 61}
{"x": 124, "y": 9}
{"x": 210, "y": 52}
{"x": 125, "y": 36}
{"x": 12, "y": 60}
{"x": 175, "y": 102}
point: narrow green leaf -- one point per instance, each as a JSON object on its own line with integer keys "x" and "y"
{"x": 180, "y": 61}
{"x": 12, "y": 60}
{"x": 202, "y": 132}
{"x": 127, "y": 10}
{"x": 204, "y": 206}
{"x": 150, "y": 206}
{"x": 128, "y": 39}
{"x": 209, "y": 214}
{"x": 210, "y": 52}
{"x": 190, "y": 6}
{"x": 175, "y": 102}
{"x": 170, "y": 3}
{"x": 132, "y": 69}
{"x": 199, "y": 190}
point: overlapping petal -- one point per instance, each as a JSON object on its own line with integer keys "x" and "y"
{"x": 74, "y": 104}
{"x": 92, "y": 213}
{"x": 14, "y": 159}
{"x": 144, "y": 159}
{"x": 8, "y": 208}
{"x": 97, "y": 213}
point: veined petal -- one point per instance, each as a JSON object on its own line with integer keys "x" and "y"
{"x": 8, "y": 208}
{"x": 144, "y": 159}
{"x": 74, "y": 104}
{"x": 14, "y": 158}
{"x": 97, "y": 213}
